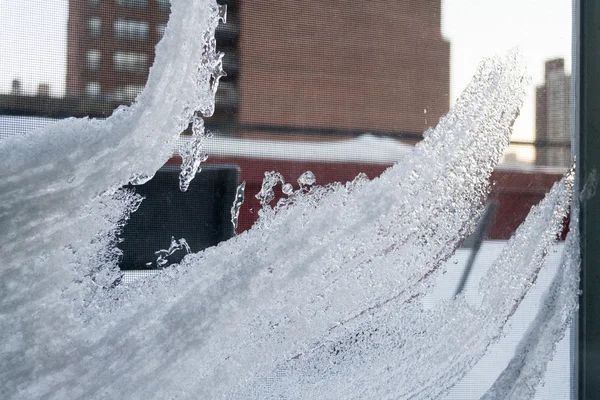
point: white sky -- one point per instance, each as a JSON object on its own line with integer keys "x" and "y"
{"x": 33, "y": 41}
{"x": 33, "y": 44}
{"x": 479, "y": 28}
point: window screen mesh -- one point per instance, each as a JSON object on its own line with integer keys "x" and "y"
{"x": 333, "y": 87}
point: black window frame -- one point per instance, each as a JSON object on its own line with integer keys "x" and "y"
{"x": 587, "y": 90}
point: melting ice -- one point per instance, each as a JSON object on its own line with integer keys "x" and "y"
{"x": 320, "y": 299}
{"x": 237, "y": 204}
{"x": 267, "y": 194}
{"x": 162, "y": 256}
{"x": 192, "y": 154}
{"x": 307, "y": 179}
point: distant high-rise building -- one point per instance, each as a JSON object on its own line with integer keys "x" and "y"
{"x": 17, "y": 88}
{"x": 554, "y": 116}
{"x": 43, "y": 90}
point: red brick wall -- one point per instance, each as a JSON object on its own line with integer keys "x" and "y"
{"x": 75, "y": 32}
{"x": 80, "y": 42}
{"x": 343, "y": 64}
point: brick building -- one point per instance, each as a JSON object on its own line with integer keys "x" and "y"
{"x": 360, "y": 66}
{"x": 111, "y": 46}
{"x": 336, "y": 66}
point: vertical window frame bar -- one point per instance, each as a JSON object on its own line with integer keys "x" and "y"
{"x": 587, "y": 52}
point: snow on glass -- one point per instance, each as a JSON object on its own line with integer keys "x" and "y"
{"x": 267, "y": 194}
{"x": 271, "y": 179}
{"x": 320, "y": 299}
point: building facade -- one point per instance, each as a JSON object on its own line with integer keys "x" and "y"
{"x": 380, "y": 65}
{"x": 554, "y": 116}
{"x": 324, "y": 67}
{"x": 111, "y": 46}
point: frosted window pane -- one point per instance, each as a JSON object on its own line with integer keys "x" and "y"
{"x": 337, "y": 170}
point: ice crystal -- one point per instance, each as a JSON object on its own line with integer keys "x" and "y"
{"x": 162, "y": 256}
{"x": 287, "y": 189}
{"x": 307, "y": 179}
{"x": 266, "y": 194}
{"x": 237, "y": 204}
{"x": 192, "y": 153}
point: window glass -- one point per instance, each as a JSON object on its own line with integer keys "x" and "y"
{"x": 163, "y": 4}
{"x": 160, "y": 30}
{"x": 94, "y": 26}
{"x": 130, "y": 61}
{"x": 133, "y": 3}
{"x": 92, "y": 89}
{"x": 93, "y": 59}
{"x": 227, "y": 96}
{"x": 130, "y": 29}
{"x": 127, "y": 93}
{"x": 312, "y": 93}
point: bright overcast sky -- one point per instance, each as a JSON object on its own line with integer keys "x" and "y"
{"x": 479, "y": 28}
{"x": 33, "y": 41}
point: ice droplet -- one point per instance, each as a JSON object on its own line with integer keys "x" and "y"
{"x": 427, "y": 133}
{"x": 192, "y": 154}
{"x": 266, "y": 194}
{"x": 287, "y": 189}
{"x": 237, "y": 204}
{"x": 307, "y": 179}
{"x": 176, "y": 245}
{"x": 211, "y": 61}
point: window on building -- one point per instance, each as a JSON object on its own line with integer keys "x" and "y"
{"x": 160, "y": 30}
{"x": 227, "y": 95}
{"x": 94, "y": 26}
{"x": 93, "y": 59}
{"x": 231, "y": 64}
{"x": 133, "y": 3}
{"x": 127, "y": 93}
{"x": 164, "y": 4}
{"x": 130, "y": 61}
{"x": 131, "y": 29}
{"x": 94, "y": 2}
{"x": 92, "y": 89}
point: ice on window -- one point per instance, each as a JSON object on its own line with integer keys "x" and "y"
{"x": 320, "y": 299}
